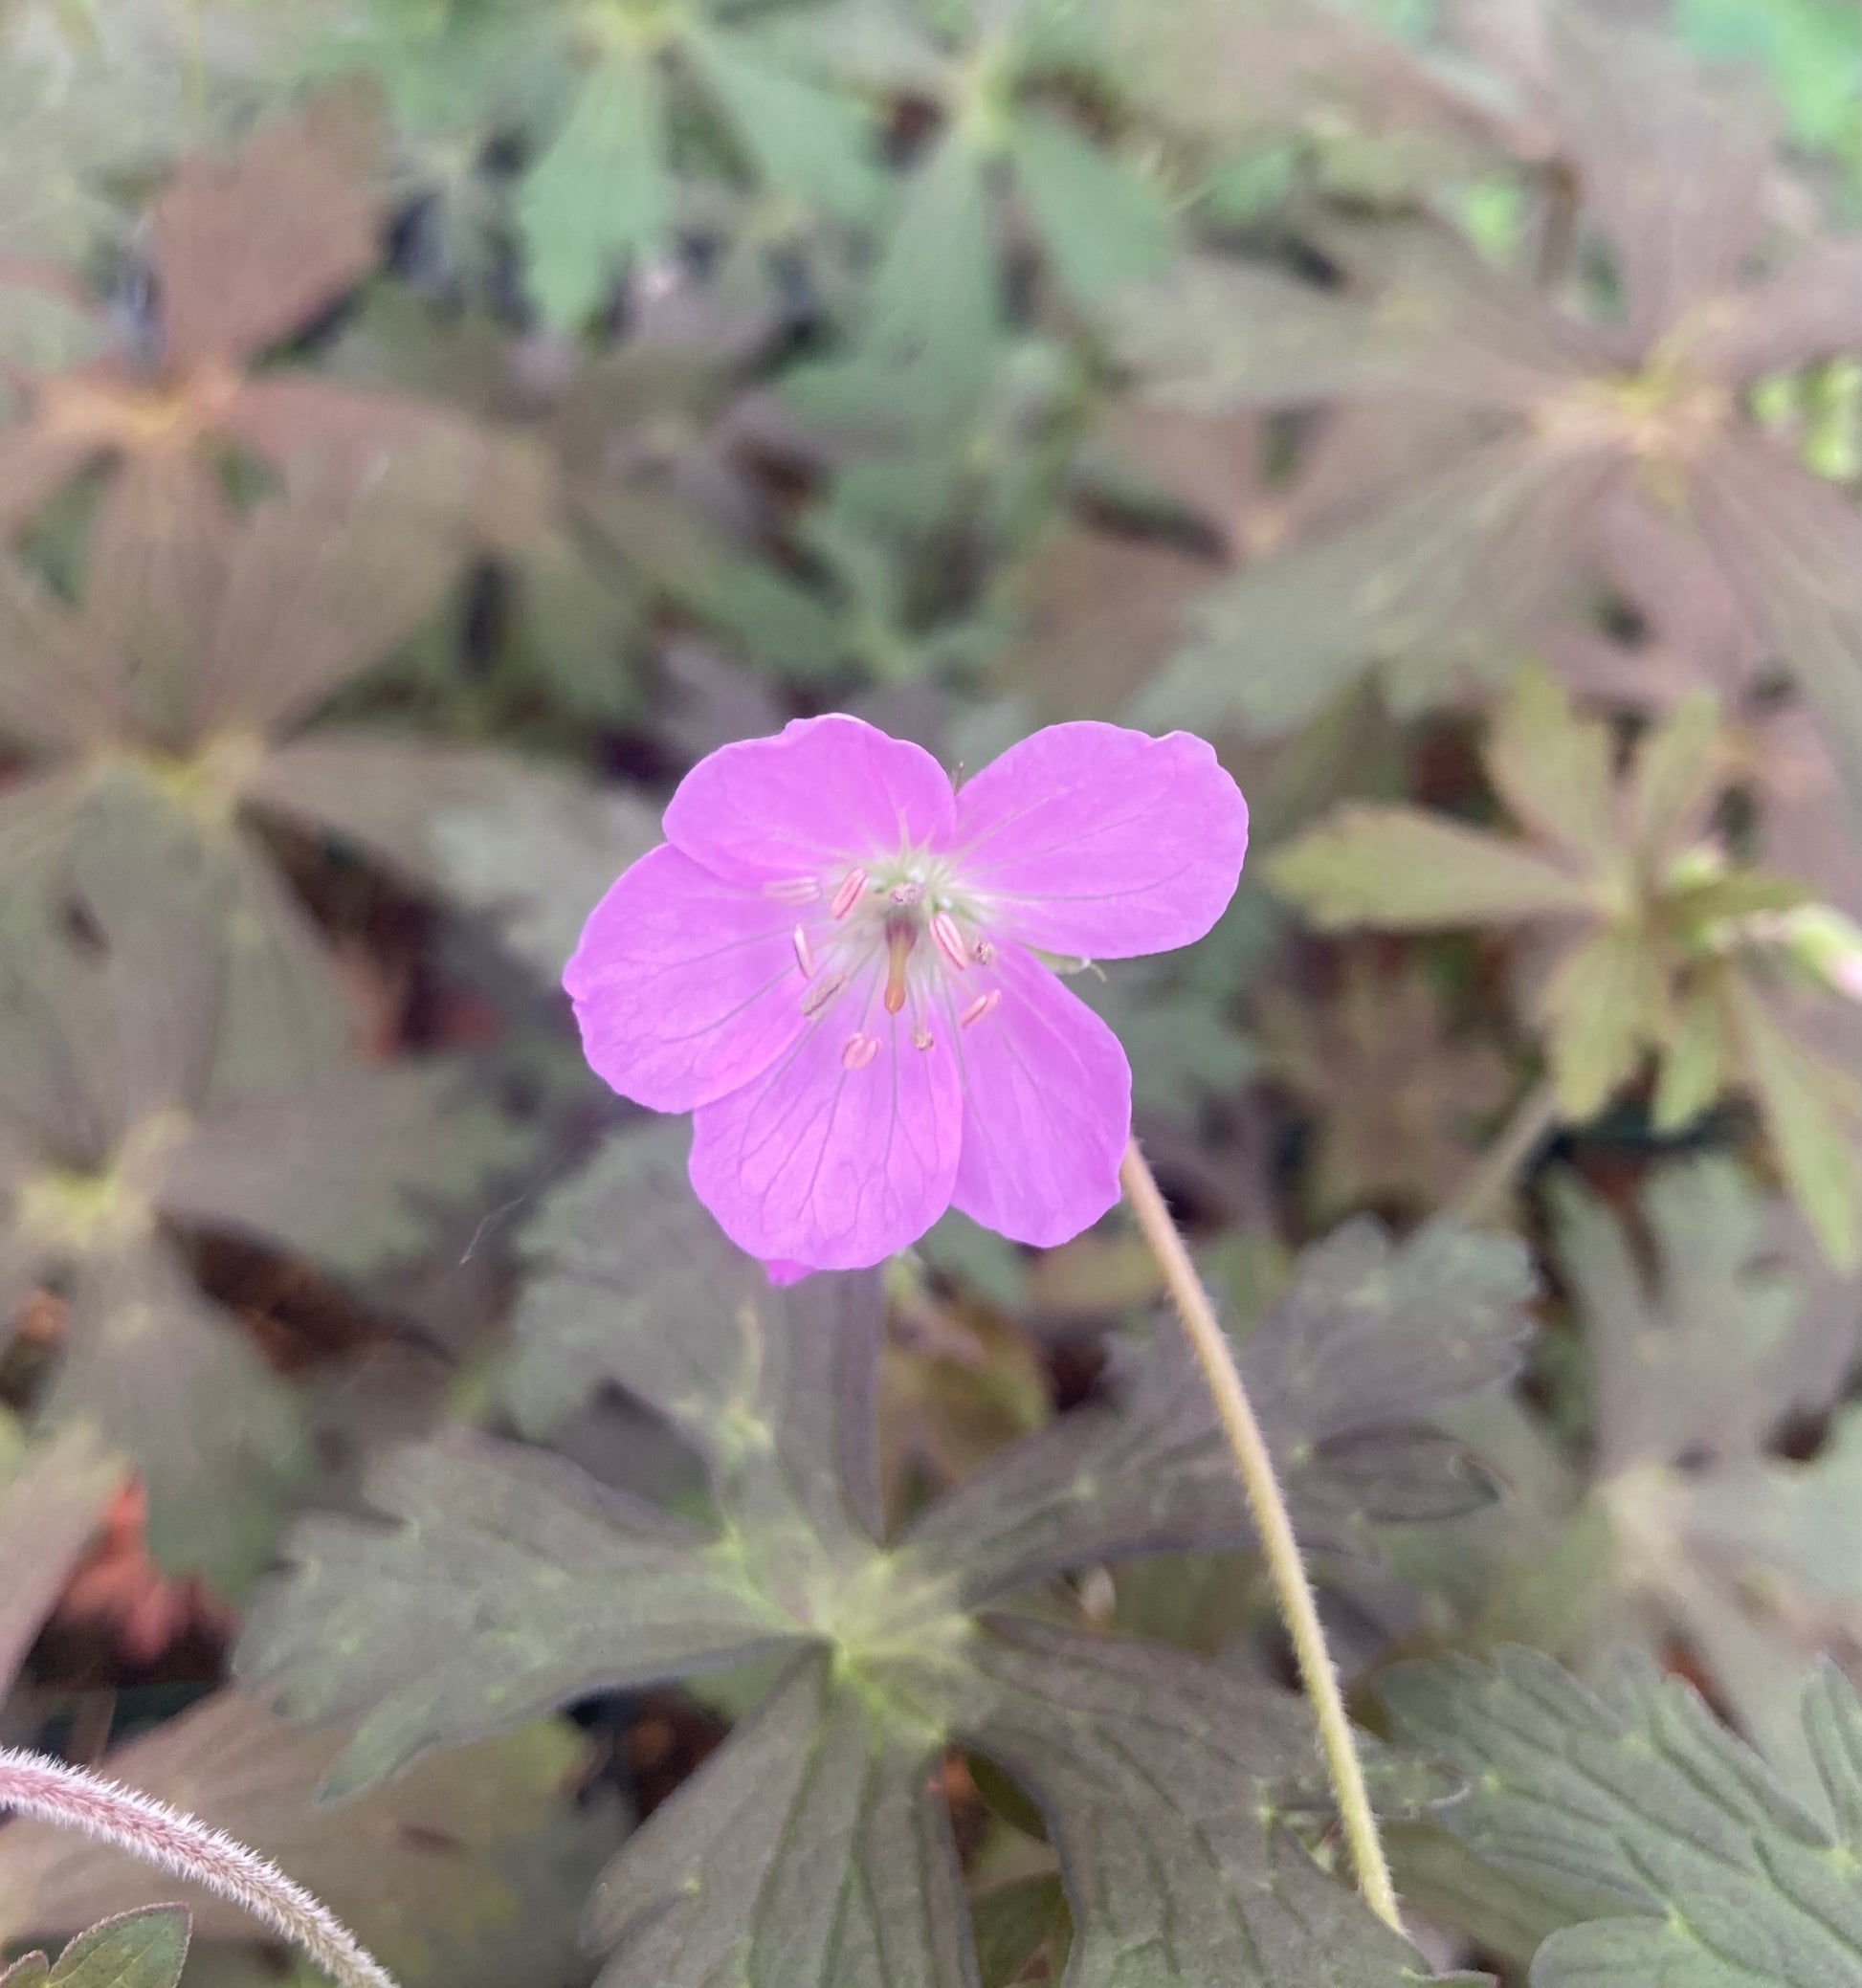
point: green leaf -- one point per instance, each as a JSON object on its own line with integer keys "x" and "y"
{"x": 1162, "y": 1783}
{"x": 1366, "y": 1342}
{"x": 805, "y": 140}
{"x": 44, "y": 328}
{"x": 1699, "y": 1348}
{"x": 1398, "y": 870}
{"x": 172, "y": 1381}
{"x": 735, "y": 1878}
{"x": 568, "y": 1585}
{"x": 1696, "y": 1062}
{"x": 1794, "y": 542}
{"x": 1808, "y": 1107}
{"x": 1103, "y": 224}
{"x": 53, "y": 1496}
{"x": 1810, "y": 48}
{"x": 538, "y": 863}
{"x": 933, "y": 313}
{"x": 637, "y": 1284}
{"x": 140, "y": 1949}
{"x": 1678, "y": 768}
{"x": 1554, "y": 769}
{"x": 1440, "y": 589}
{"x": 810, "y": 1851}
{"x": 598, "y": 194}
{"x": 1013, "y": 1922}
{"x": 1604, "y": 1009}
{"x": 1723, "y": 1880}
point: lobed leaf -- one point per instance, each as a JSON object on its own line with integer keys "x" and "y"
{"x": 53, "y": 1496}
{"x": 810, "y": 1849}
{"x": 1437, "y": 588}
{"x": 1723, "y": 1880}
{"x": 139, "y": 1949}
{"x": 1396, "y": 869}
{"x": 599, "y": 194}
{"x": 1369, "y": 1339}
{"x": 1103, "y": 225}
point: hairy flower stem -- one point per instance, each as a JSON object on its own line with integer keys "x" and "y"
{"x": 1276, "y": 1529}
{"x": 35, "y": 1785}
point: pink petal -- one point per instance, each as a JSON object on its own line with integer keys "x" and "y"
{"x": 820, "y": 1164}
{"x": 825, "y": 792}
{"x": 684, "y": 987}
{"x": 1102, "y": 842}
{"x": 1046, "y": 1102}
{"x": 781, "y": 1271}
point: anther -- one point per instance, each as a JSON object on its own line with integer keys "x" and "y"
{"x": 822, "y": 994}
{"x": 984, "y": 952}
{"x": 859, "y": 1050}
{"x": 950, "y": 940}
{"x": 983, "y": 1005}
{"x": 852, "y": 885}
{"x": 908, "y": 893}
{"x": 804, "y": 952}
{"x": 793, "y": 890}
{"x": 920, "y": 1037}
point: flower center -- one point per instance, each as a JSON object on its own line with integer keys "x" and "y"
{"x": 908, "y": 915}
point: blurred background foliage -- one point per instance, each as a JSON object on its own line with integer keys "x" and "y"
{"x": 429, "y": 426}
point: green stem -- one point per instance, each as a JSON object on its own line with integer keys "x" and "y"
{"x": 1533, "y": 1118}
{"x": 1276, "y": 1530}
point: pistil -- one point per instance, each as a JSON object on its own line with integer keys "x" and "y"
{"x": 901, "y": 937}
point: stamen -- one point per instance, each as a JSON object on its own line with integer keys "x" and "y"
{"x": 899, "y": 947}
{"x": 984, "y": 952}
{"x": 920, "y": 1037}
{"x": 861, "y": 1050}
{"x": 822, "y": 994}
{"x": 983, "y": 1005}
{"x": 804, "y": 952}
{"x": 908, "y": 893}
{"x": 950, "y": 940}
{"x": 852, "y": 885}
{"x": 793, "y": 890}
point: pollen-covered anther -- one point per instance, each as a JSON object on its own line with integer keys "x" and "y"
{"x": 983, "y": 1005}
{"x": 984, "y": 952}
{"x": 853, "y": 887}
{"x": 908, "y": 893}
{"x": 921, "y": 1037}
{"x": 951, "y": 942}
{"x": 793, "y": 890}
{"x": 804, "y": 952}
{"x": 822, "y": 994}
{"x": 858, "y": 1051}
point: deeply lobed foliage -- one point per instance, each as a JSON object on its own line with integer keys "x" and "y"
{"x": 425, "y": 432}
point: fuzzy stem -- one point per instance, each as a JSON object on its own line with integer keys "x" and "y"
{"x": 1532, "y": 1119}
{"x": 1276, "y": 1530}
{"x": 35, "y": 1785}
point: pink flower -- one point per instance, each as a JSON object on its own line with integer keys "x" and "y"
{"x": 835, "y": 963}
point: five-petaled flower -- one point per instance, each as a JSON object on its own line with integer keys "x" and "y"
{"x": 837, "y": 961}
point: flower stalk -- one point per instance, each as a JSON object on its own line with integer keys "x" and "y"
{"x": 33, "y": 1785}
{"x": 1273, "y": 1525}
